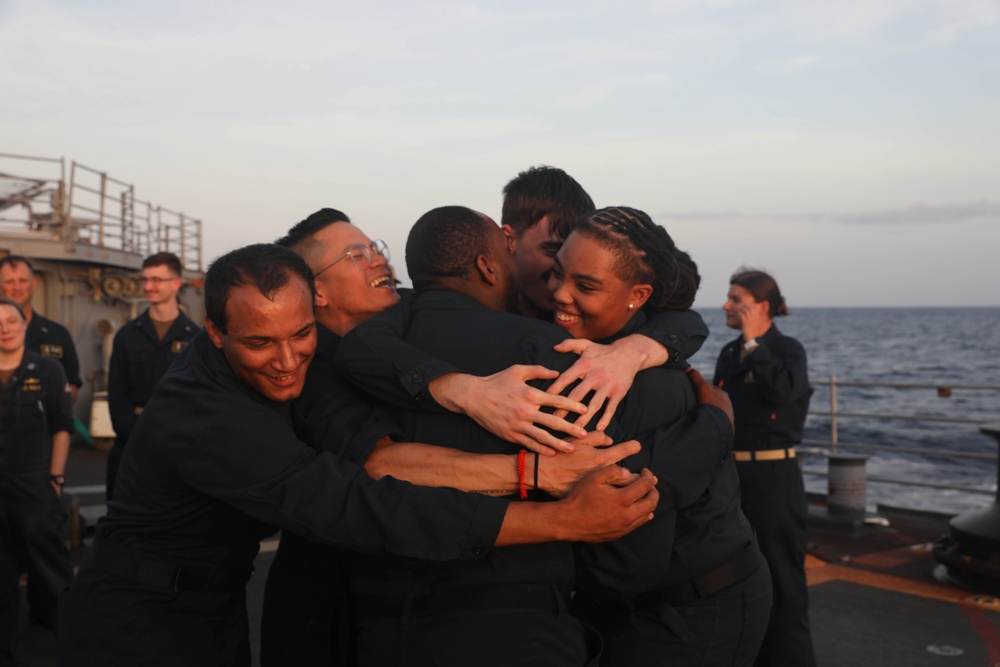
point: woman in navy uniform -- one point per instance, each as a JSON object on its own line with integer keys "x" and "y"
{"x": 765, "y": 374}
{"x": 690, "y": 587}
{"x": 35, "y": 422}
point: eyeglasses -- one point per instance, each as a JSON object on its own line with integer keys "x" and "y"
{"x": 361, "y": 255}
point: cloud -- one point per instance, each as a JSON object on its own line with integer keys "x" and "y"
{"x": 921, "y": 213}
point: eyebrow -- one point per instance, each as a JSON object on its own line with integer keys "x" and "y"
{"x": 264, "y": 339}
{"x": 580, "y": 276}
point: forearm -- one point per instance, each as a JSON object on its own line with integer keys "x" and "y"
{"x": 646, "y": 352}
{"x": 375, "y": 357}
{"x": 430, "y": 465}
{"x": 450, "y": 391}
{"x": 531, "y": 523}
{"x": 681, "y": 331}
{"x": 60, "y": 453}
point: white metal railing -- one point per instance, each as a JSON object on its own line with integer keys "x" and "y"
{"x": 945, "y": 390}
{"x": 94, "y": 208}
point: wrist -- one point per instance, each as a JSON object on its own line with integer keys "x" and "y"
{"x": 58, "y": 480}
{"x": 647, "y": 353}
{"x": 448, "y": 390}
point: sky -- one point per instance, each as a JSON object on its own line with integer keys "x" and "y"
{"x": 851, "y": 148}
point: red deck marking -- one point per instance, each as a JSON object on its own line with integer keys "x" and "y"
{"x": 986, "y": 631}
{"x": 887, "y": 559}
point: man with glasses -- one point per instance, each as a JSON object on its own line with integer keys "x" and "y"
{"x": 143, "y": 350}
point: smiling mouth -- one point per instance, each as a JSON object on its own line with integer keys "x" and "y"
{"x": 566, "y": 318}
{"x": 284, "y": 380}
{"x": 382, "y": 281}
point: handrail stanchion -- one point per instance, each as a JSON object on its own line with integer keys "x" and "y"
{"x": 833, "y": 413}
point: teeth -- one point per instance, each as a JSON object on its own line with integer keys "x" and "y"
{"x": 380, "y": 281}
{"x": 562, "y": 317}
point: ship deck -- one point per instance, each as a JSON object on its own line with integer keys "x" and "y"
{"x": 874, "y": 596}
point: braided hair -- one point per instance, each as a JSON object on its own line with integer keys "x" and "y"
{"x": 645, "y": 253}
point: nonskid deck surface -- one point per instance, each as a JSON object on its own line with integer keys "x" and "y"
{"x": 874, "y": 599}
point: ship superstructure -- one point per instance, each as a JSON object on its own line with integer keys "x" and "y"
{"x": 86, "y": 233}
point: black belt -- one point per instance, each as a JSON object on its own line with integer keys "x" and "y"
{"x": 135, "y": 566}
{"x": 516, "y": 596}
{"x": 713, "y": 581}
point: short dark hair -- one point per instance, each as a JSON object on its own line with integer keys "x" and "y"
{"x": 300, "y": 237}
{"x": 167, "y": 259}
{"x": 444, "y": 243}
{"x": 763, "y": 288}
{"x": 645, "y": 253}
{"x": 266, "y": 266}
{"x": 11, "y": 260}
{"x": 545, "y": 191}
{"x": 4, "y": 301}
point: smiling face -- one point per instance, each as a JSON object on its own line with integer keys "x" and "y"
{"x": 160, "y": 284}
{"x": 12, "y": 329}
{"x": 591, "y": 300}
{"x": 534, "y": 254}
{"x": 346, "y": 294}
{"x": 269, "y": 344}
{"x": 17, "y": 283}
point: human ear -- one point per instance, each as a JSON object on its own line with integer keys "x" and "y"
{"x": 213, "y": 333}
{"x": 511, "y": 236}
{"x": 639, "y": 295}
{"x": 485, "y": 269}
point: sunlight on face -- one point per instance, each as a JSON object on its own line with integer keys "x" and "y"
{"x": 591, "y": 300}
{"x": 269, "y": 344}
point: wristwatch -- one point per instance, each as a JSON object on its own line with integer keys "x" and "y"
{"x": 58, "y": 480}
{"x": 750, "y": 345}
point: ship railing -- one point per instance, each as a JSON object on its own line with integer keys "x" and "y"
{"x": 41, "y": 197}
{"x": 834, "y": 446}
{"x": 98, "y": 209}
{"x": 107, "y": 213}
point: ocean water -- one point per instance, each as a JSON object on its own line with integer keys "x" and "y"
{"x": 937, "y": 346}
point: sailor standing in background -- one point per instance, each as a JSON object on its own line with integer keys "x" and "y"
{"x": 45, "y": 337}
{"x": 143, "y": 351}
{"x": 766, "y": 377}
{"x": 35, "y": 422}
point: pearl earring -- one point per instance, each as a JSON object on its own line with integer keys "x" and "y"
{"x": 631, "y": 306}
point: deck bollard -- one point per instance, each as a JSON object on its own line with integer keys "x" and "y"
{"x": 846, "y": 483}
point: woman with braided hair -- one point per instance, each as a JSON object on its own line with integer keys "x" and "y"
{"x": 690, "y": 587}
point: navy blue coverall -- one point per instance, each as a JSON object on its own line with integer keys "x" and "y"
{"x": 138, "y": 361}
{"x": 211, "y": 469}
{"x": 35, "y": 404}
{"x": 770, "y": 392}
